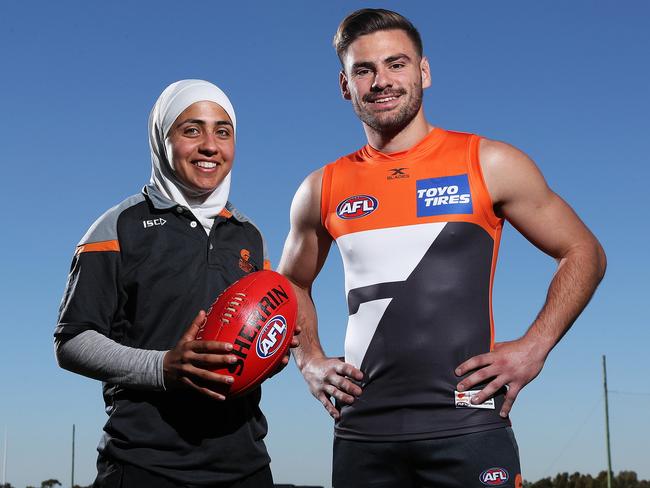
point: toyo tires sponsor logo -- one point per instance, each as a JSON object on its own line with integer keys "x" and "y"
{"x": 356, "y": 207}
{"x": 271, "y": 337}
{"x": 443, "y": 196}
{"x": 494, "y": 477}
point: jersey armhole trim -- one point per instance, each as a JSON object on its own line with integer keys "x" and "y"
{"x": 326, "y": 185}
{"x": 477, "y": 174}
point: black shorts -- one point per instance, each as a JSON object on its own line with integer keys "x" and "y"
{"x": 121, "y": 475}
{"x": 478, "y": 460}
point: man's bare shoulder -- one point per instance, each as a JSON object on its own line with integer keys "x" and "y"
{"x": 506, "y": 168}
{"x": 305, "y": 208}
{"x": 315, "y": 177}
{"x": 499, "y": 153}
{"x": 311, "y": 186}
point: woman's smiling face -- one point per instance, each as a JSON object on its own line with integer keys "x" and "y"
{"x": 202, "y": 141}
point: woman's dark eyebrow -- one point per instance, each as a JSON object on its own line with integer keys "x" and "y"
{"x": 202, "y": 122}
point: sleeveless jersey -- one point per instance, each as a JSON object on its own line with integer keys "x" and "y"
{"x": 419, "y": 242}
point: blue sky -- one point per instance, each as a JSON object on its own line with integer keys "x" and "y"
{"x": 567, "y": 82}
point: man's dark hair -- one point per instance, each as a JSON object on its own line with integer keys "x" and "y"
{"x": 369, "y": 20}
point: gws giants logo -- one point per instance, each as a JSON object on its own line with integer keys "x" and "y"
{"x": 271, "y": 337}
{"x": 356, "y": 207}
{"x": 494, "y": 477}
{"x": 245, "y": 266}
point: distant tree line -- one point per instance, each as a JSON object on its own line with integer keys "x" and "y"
{"x": 624, "y": 479}
{"x": 44, "y": 484}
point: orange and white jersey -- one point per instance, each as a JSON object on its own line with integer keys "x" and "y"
{"x": 419, "y": 242}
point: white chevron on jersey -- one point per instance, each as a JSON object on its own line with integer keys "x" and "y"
{"x": 384, "y": 255}
{"x": 359, "y": 332}
{"x": 379, "y": 256}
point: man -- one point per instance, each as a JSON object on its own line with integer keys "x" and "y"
{"x": 424, "y": 394}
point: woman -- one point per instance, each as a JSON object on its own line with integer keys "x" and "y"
{"x": 138, "y": 277}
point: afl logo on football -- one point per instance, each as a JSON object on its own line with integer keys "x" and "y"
{"x": 356, "y": 207}
{"x": 494, "y": 477}
{"x": 271, "y": 337}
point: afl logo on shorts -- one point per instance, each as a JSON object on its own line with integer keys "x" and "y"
{"x": 494, "y": 477}
{"x": 356, "y": 207}
{"x": 271, "y": 337}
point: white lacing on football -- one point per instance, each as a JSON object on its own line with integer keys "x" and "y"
{"x": 231, "y": 309}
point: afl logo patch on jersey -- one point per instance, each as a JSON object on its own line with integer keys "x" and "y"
{"x": 442, "y": 196}
{"x": 356, "y": 207}
{"x": 271, "y": 337}
{"x": 494, "y": 477}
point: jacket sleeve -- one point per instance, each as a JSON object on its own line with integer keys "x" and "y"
{"x": 84, "y": 341}
{"x": 92, "y": 294}
{"x": 91, "y": 297}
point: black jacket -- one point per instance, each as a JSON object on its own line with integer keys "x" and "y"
{"x": 139, "y": 276}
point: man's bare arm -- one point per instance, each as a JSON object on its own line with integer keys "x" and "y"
{"x": 304, "y": 254}
{"x": 521, "y": 195}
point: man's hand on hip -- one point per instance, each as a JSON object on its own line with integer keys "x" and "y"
{"x": 331, "y": 377}
{"x": 512, "y": 364}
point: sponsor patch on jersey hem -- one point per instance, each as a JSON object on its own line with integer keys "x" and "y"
{"x": 462, "y": 400}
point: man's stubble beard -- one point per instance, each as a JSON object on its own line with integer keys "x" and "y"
{"x": 394, "y": 123}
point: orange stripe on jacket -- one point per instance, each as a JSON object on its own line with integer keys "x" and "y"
{"x": 100, "y": 246}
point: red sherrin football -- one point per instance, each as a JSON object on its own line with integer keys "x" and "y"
{"x": 257, "y": 315}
